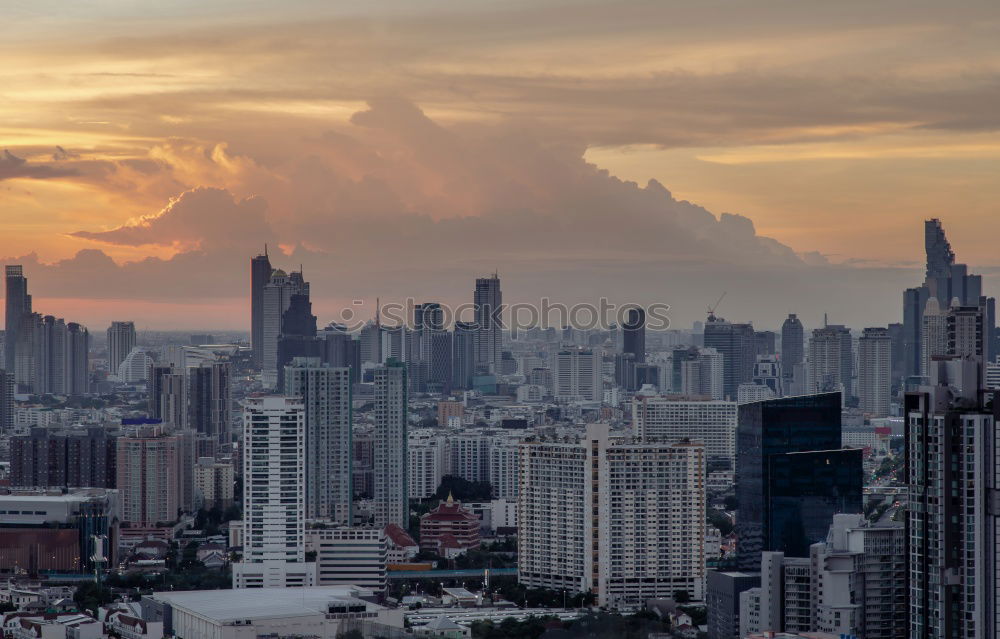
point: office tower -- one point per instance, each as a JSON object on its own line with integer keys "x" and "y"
{"x": 350, "y": 556}
{"x": 210, "y": 400}
{"x": 852, "y": 584}
{"x": 623, "y": 519}
{"x": 634, "y": 335}
{"x": 77, "y": 359}
{"x": 390, "y": 474}
{"x": 214, "y": 483}
{"x": 576, "y": 376}
{"x": 625, "y": 376}
{"x": 76, "y": 457}
{"x": 260, "y": 275}
{"x": 371, "y": 343}
{"x": 274, "y": 436}
{"x": 277, "y": 297}
{"x": 831, "y": 360}
{"x": 946, "y": 281}
{"x": 325, "y": 393}
{"x": 393, "y": 343}
{"x": 765, "y": 342}
{"x": 18, "y": 304}
{"x": 792, "y": 346}
{"x": 712, "y": 423}
{"x": 952, "y": 439}
{"x": 699, "y": 372}
{"x": 767, "y": 371}
{"x": 440, "y": 364}
{"x": 137, "y": 368}
{"x": 791, "y": 475}
{"x": 897, "y": 355}
{"x": 298, "y": 335}
{"x": 738, "y": 347}
{"x": 875, "y": 371}
{"x": 6, "y": 401}
{"x": 427, "y": 318}
{"x": 29, "y": 353}
{"x": 488, "y": 303}
{"x": 722, "y": 599}
{"x": 150, "y": 465}
{"x": 121, "y": 341}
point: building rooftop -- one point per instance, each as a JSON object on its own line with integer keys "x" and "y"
{"x": 262, "y": 603}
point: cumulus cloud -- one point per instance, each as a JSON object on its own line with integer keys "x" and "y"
{"x": 398, "y": 205}
{"x": 203, "y": 218}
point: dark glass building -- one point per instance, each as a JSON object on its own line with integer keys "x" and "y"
{"x": 634, "y": 335}
{"x": 791, "y": 475}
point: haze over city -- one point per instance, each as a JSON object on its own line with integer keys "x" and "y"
{"x": 783, "y": 152}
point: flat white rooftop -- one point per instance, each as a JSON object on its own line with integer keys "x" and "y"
{"x": 221, "y": 606}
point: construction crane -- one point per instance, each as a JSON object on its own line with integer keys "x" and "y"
{"x": 711, "y": 309}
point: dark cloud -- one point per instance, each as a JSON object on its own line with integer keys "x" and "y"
{"x": 12, "y": 166}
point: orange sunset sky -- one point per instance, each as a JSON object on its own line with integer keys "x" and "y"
{"x": 785, "y": 152}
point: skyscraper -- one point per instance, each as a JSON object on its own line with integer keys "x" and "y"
{"x": 791, "y": 475}
{"x": 274, "y": 436}
{"x": 325, "y": 392}
{"x": 77, "y": 359}
{"x": 792, "y": 346}
{"x": 463, "y": 354}
{"x": 18, "y": 304}
{"x": 576, "y": 376}
{"x": 831, "y": 360}
{"x": 946, "y": 281}
{"x": 875, "y": 371}
{"x": 260, "y": 275}
{"x": 6, "y": 401}
{"x": 298, "y": 335}
{"x": 952, "y": 442}
{"x": 150, "y": 475}
{"x": 738, "y": 347}
{"x": 121, "y": 341}
{"x": 210, "y": 400}
{"x": 391, "y": 494}
{"x": 634, "y": 335}
{"x": 276, "y": 298}
{"x": 623, "y": 519}
{"x": 488, "y": 302}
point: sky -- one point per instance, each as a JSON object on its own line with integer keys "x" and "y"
{"x": 782, "y": 152}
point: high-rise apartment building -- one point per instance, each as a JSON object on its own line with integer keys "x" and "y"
{"x": 121, "y": 341}
{"x": 274, "y": 495}
{"x": 488, "y": 336}
{"x": 831, "y": 360}
{"x": 150, "y": 467}
{"x": 6, "y": 401}
{"x": 623, "y": 519}
{"x": 875, "y": 371}
{"x": 391, "y": 503}
{"x": 77, "y": 457}
{"x": 260, "y": 275}
{"x": 213, "y": 483}
{"x": 699, "y": 372}
{"x": 738, "y": 347}
{"x": 852, "y": 584}
{"x": 712, "y": 423}
{"x": 576, "y": 376}
{"x": 953, "y": 472}
{"x": 791, "y": 475}
{"x": 325, "y": 392}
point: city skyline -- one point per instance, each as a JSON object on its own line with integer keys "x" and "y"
{"x": 814, "y": 167}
